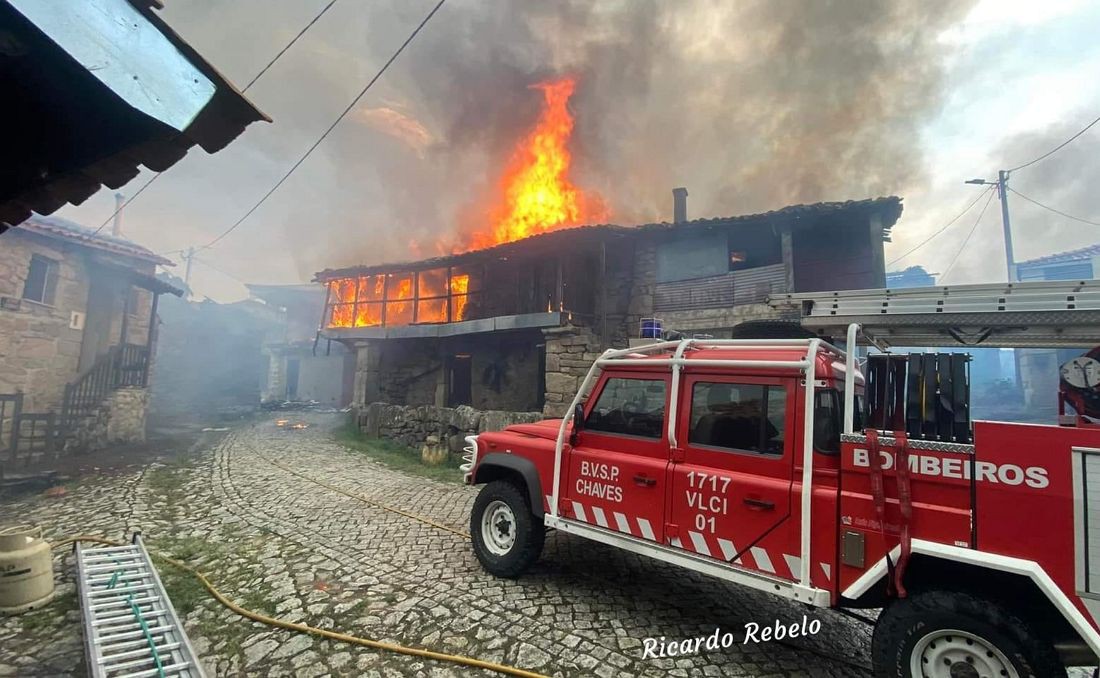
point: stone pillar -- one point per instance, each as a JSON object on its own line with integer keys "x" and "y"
{"x": 368, "y": 363}
{"x": 126, "y": 415}
{"x": 276, "y": 376}
{"x": 570, "y": 352}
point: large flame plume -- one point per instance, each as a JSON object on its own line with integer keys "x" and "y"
{"x": 536, "y": 192}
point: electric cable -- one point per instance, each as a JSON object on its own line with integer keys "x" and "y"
{"x": 310, "y": 630}
{"x": 246, "y": 87}
{"x": 1056, "y": 148}
{"x": 1056, "y": 211}
{"x": 945, "y": 227}
{"x": 219, "y": 270}
{"x": 331, "y": 127}
{"x": 968, "y": 235}
{"x": 288, "y": 45}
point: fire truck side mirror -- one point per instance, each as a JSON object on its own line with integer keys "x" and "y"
{"x": 578, "y": 423}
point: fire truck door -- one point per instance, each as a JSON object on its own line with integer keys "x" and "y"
{"x": 732, "y": 483}
{"x": 617, "y": 473}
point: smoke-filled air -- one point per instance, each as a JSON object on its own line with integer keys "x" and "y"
{"x": 752, "y": 105}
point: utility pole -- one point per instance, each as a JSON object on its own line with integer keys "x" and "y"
{"x": 116, "y": 227}
{"x": 1002, "y": 189}
{"x": 1010, "y": 261}
{"x": 190, "y": 256}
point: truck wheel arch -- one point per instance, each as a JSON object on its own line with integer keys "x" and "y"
{"x": 522, "y": 471}
{"x": 1013, "y": 581}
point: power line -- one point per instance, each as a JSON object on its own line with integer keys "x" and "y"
{"x": 246, "y": 88}
{"x": 1056, "y": 148}
{"x": 212, "y": 267}
{"x": 945, "y": 227}
{"x": 329, "y": 130}
{"x": 968, "y": 235}
{"x": 288, "y": 45}
{"x": 1056, "y": 211}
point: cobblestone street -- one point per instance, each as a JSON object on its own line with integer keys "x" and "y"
{"x": 282, "y": 545}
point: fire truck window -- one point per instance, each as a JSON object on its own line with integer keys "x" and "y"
{"x": 749, "y": 417}
{"x": 633, "y": 407}
{"x": 827, "y": 421}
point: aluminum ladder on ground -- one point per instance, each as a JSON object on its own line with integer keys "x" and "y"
{"x": 130, "y": 627}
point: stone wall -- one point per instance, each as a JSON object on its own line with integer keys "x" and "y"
{"x": 126, "y": 415}
{"x": 119, "y": 420}
{"x": 39, "y": 353}
{"x": 429, "y": 426}
{"x": 570, "y": 352}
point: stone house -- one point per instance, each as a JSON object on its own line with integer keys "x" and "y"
{"x": 77, "y": 330}
{"x": 298, "y": 365}
{"x": 513, "y": 328}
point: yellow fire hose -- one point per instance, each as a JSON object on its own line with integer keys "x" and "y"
{"x": 323, "y": 633}
{"x": 303, "y": 628}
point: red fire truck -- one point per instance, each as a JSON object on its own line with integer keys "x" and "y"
{"x": 780, "y": 465}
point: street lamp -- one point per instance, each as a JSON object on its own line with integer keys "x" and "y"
{"x": 1002, "y": 190}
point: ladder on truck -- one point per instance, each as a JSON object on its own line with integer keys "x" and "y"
{"x": 1018, "y": 315}
{"x": 130, "y": 627}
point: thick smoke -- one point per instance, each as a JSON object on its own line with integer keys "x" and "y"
{"x": 752, "y": 105}
{"x": 1066, "y": 182}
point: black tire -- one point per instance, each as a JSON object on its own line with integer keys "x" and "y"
{"x": 511, "y": 560}
{"x": 906, "y": 623}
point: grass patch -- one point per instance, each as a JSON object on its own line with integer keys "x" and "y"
{"x": 187, "y": 593}
{"x": 49, "y": 616}
{"x": 395, "y": 456}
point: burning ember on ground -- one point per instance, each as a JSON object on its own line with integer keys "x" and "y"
{"x": 537, "y": 193}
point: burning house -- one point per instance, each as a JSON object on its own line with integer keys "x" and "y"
{"x": 512, "y": 327}
{"x": 503, "y": 328}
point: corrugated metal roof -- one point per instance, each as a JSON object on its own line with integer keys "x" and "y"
{"x": 217, "y": 124}
{"x": 56, "y": 227}
{"x": 1079, "y": 254}
{"x": 889, "y": 209}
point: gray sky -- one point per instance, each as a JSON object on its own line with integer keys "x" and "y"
{"x": 751, "y": 105}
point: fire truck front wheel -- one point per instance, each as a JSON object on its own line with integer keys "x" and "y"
{"x": 507, "y": 536}
{"x": 949, "y": 634}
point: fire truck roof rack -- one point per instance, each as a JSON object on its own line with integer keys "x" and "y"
{"x": 1020, "y": 315}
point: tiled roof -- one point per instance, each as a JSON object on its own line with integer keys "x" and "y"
{"x": 56, "y": 227}
{"x": 1079, "y": 254}
{"x": 889, "y": 208}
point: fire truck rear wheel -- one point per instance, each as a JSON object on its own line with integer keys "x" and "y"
{"x": 507, "y": 536}
{"x": 948, "y": 634}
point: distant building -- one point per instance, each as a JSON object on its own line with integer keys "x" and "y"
{"x": 299, "y": 365}
{"x": 1078, "y": 264}
{"x": 1039, "y": 368}
{"x": 77, "y": 331}
{"x": 914, "y": 276}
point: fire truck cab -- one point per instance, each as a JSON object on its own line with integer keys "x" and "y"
{"x": 776, "y": 464}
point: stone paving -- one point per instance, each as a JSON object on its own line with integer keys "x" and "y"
{"x": 296, "y": 550}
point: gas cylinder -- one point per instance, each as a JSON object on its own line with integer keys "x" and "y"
{"x": 26, "y": 569}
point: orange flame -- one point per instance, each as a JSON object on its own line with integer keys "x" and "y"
{"x": 394, "y": 299}
{"x": 537, "y": 193}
